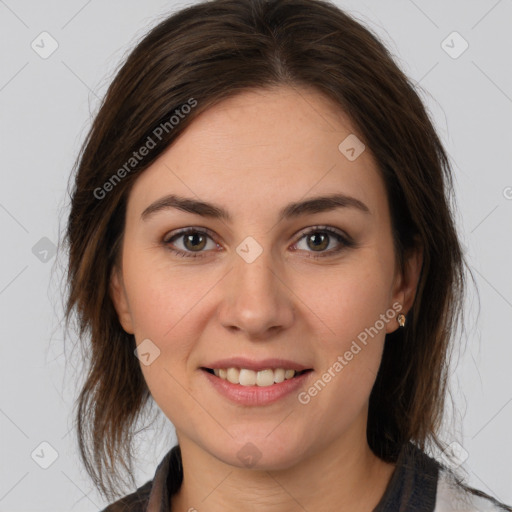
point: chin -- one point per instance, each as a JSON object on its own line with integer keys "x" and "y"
{"x": 260, "y": 453}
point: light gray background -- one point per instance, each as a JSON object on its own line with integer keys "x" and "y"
{"x": 46, "y": 109}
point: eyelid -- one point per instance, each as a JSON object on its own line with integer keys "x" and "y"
{"x": 184, "y": 231}
{"x": 323, "y": 227}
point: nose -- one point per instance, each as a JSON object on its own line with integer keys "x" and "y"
{"x": 256, "y": 299}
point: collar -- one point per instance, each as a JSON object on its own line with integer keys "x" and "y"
{"x": 166, "y": 482}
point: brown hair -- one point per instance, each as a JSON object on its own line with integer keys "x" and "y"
{"x": 204, "y": 54}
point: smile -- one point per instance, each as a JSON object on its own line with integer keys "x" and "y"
{"x": 245, "y": 390}
{"x": 262, "y": 378}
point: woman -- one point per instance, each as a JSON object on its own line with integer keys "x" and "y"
{"x": 261, "y": 243}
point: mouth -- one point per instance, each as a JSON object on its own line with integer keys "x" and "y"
{"x": 263, "y": 378}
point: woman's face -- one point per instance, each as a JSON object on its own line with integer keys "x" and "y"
{"x": 276, "y": 277}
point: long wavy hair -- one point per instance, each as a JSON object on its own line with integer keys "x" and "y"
{"x": 211, "y": 51}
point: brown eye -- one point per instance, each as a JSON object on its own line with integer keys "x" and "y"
{"x": 320, "y": 238}
{"x": 319, "y": 241}
{"x": 194, "y": 241}
{"x": 189, "y": 243}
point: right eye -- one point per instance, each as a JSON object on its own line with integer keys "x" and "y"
{"x": 193, "y": 240}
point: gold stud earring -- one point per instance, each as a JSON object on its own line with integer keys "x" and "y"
{"x": 401, "y": 320}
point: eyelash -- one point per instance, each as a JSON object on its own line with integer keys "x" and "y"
{"x": 344, "y": 240}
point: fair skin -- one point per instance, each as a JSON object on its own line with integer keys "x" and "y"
{"x": 252, "y": 155}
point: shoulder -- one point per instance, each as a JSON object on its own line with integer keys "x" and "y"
{"x": 135, "y": 502}
{"x": 453, "y": 496}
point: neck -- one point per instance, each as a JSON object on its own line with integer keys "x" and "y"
{"x": 343, "y": 476}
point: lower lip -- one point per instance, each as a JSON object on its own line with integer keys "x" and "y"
{"x": 256, "y": 395}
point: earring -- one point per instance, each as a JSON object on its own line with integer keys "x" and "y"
{"x": 401, "y": 320}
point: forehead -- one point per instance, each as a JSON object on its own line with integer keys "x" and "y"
{"x": 264, "y": 147}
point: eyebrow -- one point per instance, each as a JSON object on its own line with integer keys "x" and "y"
{"x": 311, "y": 205}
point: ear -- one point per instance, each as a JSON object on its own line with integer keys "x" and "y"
{"x": 120, "y": 300}
{"x": 406, "y": 283}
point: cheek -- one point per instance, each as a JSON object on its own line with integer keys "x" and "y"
{"x": 161, "y": 296}
{"x": 353, "y": 309}
{"x": 165, "y": 304}
{"x": 350, "y": 299}
{"x": 168, "y": 306}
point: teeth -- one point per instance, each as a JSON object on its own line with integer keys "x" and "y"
{"x": 279, "y": 375}
{"x": 288, "y": 374}
{"x": 264, "y": 378}
{"x": 233, "y": 375}
{"x": 246, "y": 377}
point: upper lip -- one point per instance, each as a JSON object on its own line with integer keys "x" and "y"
{"x": 256, "y": 365}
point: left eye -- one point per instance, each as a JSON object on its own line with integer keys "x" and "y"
{"x": 195, "y": 241}
{"x": 318, "y": 240}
